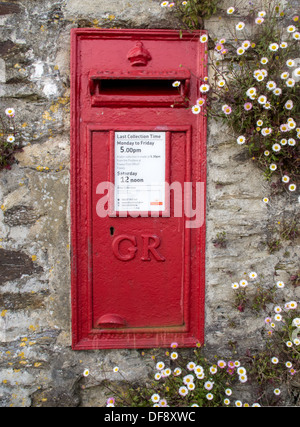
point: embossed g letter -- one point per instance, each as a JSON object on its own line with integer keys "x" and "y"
{"x": 130, "y": 251}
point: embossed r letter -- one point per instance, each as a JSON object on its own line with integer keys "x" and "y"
{"x": 151, "y": 247}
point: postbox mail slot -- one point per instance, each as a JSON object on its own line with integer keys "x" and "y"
{"x": 140, "y": 88}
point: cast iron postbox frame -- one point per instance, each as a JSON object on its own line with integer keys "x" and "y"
{"x": 137, "y": 280}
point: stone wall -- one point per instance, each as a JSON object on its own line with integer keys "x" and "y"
{"x": 38, "y": 366}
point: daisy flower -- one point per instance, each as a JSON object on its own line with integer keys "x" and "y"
{"x": 190, "y": 366}
{"x": 292, "y": 187}
{"x": 266, "y": 131}
{"x": 177, "y": 372}
{"x": 188, "y": 379}
{"x": 204, "y": 88}
{"x": 221, "y": 83}
{"x": 285, "y": 75}
{"x": 277, "y": 91}
{"x": 157, "y": 376}
{"x": 213, "y": 370}
{"x": 290, "y": 82}
{"x": 276, "y": 147}
{"x": 271, "y": 85}
{"x": 291, "y": 142}
{"x": 10, "y": 139}
{"x": 251, "y": 91}
{"x": 241, "y": 371}
{"x": 243, "y": 378}
{"x": 200, "y": 102}
{"x": 240, "y": 26}
{"x": 238, "y": 403}
{"x": 264, "y": 60}
{"x": 243, "y": 283}
{"x": 174, "y": 344}
{"x": 163, "y": 403}
{"x": 283, "y": 45}
{"x": 267, "y": 153}
{"x": 166, "y": 372}
{"x": 183, "y": 391}
{"x": 283, "y": 141}
{"x": 219, "y": 47}
{"x": 274, "y": 360}
{"x": 209, "y": 396}
{"x": 259, "y": 20}
{"x": 296, "y": 72}
{"x": 116, "y": 369}
{"x": 290, "y": 63}
{"x": 208, "y": 385}
{"x": 174, "y": 355}
{"x": 262, "y": 14}
{"x": 235, "y": 285}
{"x": 291, "y": 28}
{"x": 196, "y": 109}
{"x": 204, "y": 38}
{"x": 253, "y": 275}
{"x": 266, "y": 200}
{"x": 280, "y": 284}
{"x": 273, "y": 167}
{"x": 221, "y": 364}
{"x": 296, "y": 35}
{"x": 155, "y": 398}
{"x": 10, "y": 112}
{"x": 284, "y": 127}
{"x": 278, "y": 317}
{"x": 274, "y": 47}
{"x": 259, "y": 77}
{"x": 227, "y": 110}
{"x": 262, "y": 99}
{"x": 226, "y": 402}
{"x": 164, "y": 4}
{"x": 248, "y": 106}
{"x": 176, "y": 84}
{"x": 198, "y": 370}
{"x": 230, "y": 10}
{"x": 240, "y": 51}
{"x": 191, "y": 386}
{"x": 288, "y": 365}
{"x": 277, "y": 391}
{"x": 160, "y": 366}
{"x": 259, "y": 123}
{"x": 241, "y": 140}
{"x": 228, "y": 392}
{"x": 246, "y": 44}
{"x": 86, "y": 373}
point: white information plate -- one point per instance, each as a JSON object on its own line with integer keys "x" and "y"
{"x": 140, "y": 171}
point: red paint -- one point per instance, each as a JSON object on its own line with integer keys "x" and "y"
{"x": 137, "y": 282}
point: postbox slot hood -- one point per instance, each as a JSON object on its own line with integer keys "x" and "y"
{"x": 139, "y": 88}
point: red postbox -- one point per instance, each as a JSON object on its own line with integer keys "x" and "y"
{"x": 138, "y": 172}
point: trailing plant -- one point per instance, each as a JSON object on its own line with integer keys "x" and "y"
{"x": 191, "y": 13}
{"x": 254, "y": 87}
{"x": 9, "y": 138}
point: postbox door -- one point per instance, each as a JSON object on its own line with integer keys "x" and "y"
{"x": 141, "y": 270}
